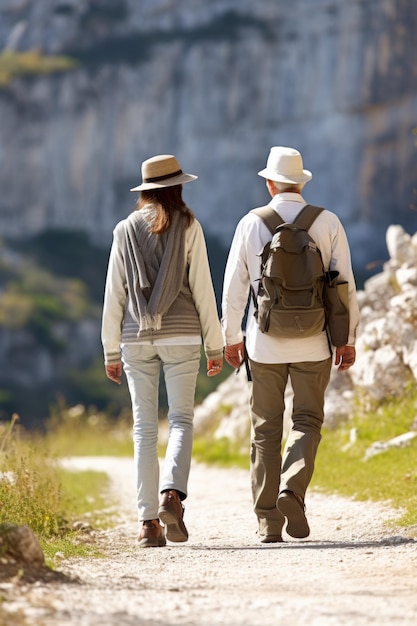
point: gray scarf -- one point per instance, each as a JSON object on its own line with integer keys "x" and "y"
{"x": 154, "y": 266}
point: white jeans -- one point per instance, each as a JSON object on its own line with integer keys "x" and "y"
{"x": 142, "y": 365}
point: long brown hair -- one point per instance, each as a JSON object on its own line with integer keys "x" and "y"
{"x": 166, "y": 200}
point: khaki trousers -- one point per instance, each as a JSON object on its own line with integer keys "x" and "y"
{"x": 271, "y": 471}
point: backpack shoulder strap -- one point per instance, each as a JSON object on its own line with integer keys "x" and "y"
{"x": 307, "y": 215}
{"x": 269, "y": 216}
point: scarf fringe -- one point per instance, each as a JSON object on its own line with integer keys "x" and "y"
{"x": 150, "y": 322}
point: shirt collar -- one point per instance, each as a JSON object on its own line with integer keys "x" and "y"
{"x": 287, "y": 196}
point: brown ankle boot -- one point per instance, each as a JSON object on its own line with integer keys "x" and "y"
{"x": 151, "y": 535}
{"x": 171, "y": 512}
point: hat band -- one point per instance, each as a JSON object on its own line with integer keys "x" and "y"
{"x": 155, "y": 179}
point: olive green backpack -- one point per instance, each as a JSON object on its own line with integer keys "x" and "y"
{"x": 296, "y": 296}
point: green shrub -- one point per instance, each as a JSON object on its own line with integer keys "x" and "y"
{"x": 31, "y": 63}
{"x": 29, "y": 491}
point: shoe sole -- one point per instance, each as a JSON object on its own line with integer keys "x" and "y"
{"x": 152, "y": 543}
{"x": 175, "y": 529}
{"x": 297, "y": 525}
{"x": 271, "y": 539}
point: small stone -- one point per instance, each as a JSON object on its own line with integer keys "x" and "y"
{"x": 21, "y": 544}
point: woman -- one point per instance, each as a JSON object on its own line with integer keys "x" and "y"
{"x": 159, "y": 301}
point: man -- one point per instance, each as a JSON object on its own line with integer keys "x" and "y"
{"x": 279, "y": 483}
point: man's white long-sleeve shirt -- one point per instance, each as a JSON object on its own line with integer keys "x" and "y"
{"x": 243, "y": 270}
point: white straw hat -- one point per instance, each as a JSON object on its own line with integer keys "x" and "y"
{"x": 161, "y": 171}
{"x": 285, "y": 165}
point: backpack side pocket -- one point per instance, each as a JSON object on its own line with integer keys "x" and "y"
{"x": 336, "y": 303}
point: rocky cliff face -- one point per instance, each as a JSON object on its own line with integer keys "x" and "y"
{"x": 217, "y": 83}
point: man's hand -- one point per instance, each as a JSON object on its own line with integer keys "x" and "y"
{"x": 234, "y": 354}
{"x": 345, "y": 357}
{"x": 114, "y": 372}
{"x": 214, "y": 366}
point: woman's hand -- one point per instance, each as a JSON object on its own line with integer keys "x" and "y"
{"x": 114, "y": 372}
{"x": 214, "y": 366}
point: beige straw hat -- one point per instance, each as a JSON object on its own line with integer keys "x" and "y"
{"x": 161, "y": 171}
{"x": 285, "y": 165}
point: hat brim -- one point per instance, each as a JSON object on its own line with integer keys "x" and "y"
{"x": 280, "y": 178}
{"x": 181, "y": 179}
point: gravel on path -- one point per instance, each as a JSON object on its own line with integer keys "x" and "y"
{"x": 353, "y": 570}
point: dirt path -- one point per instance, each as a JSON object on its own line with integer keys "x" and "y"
{"x": 351, "y": 571}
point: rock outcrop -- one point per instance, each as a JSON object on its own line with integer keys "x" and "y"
{"x": 22, "y": 559}
{"x": 18, "y": 544}
{"x": 217, "y": 83}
